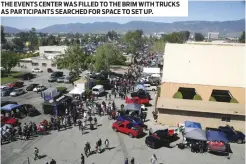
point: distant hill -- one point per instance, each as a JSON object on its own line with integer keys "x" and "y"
{"x": 224, "y": 28}
{"x": 11, "y": 30}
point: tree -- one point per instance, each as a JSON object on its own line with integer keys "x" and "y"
{"x": 108, "y": 55}
{"x": 3, "y": 39}
{"x": 112, "y": 35}
{"x": 9, "y": 60}
{"x": 74, "y": 59}
{"x": 158, "y": 46}
{"x": 242, "y": 38}
{"x": 52, "y": 40}
{"x": 33, "y": 38}
{"x": 18, "y": 43}
{"x": 177, "y": 37}
{"x": 134, "y": 41}
{"x": 199, "y": 37}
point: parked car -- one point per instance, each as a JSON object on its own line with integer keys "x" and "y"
{"x": 17, "y": 92}
{"x": 231, "y": 134}
{"x": 37, "y": 70}
{"x": 68, "y": 79}
{"x": 128, "y": 128}
{"x": 39, "y": 88}
{"x": 52, "y": 79}
{"x": 135, "y": 120}
{"x": 159, "y": 139}
{"x": 30, "y": 110}
{"x": 60, "y": 80}
{"x": 31, "y": 87}
{"x": 17, "y": 84}
{"x": 49, "y": 70}
{"x": 3, "y": 103}
{"x": 57, "y": 74}
{"x": 6, "y": 91}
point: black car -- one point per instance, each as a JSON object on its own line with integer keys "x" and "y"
{"x": 233, "y": 135}
{"x": 57, "y": 74}
{"x": 31, "y": 87}
{"x": 159, "y": 139}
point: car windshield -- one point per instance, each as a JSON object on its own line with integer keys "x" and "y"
{"x": 16, "y": 90}
{"x": 61, "y": 78}
{"x": 36, "y": 69}
{"x": 95, "y": 89}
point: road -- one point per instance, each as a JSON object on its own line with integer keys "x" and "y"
{"x": 65, "y": 146}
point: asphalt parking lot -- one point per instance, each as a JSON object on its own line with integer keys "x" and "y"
{"x": 65, "y": 146}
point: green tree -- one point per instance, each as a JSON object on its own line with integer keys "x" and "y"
{"x": 112, "y": 35}
{"x": 3, "y": 39}
{"x": 134, "y": 41}
{"x": 74, "y": 59}
{"x": 199, "y": 37}
{"x": 9, "y": 60}
{"x": 33, "y": 39}
{"x": 242, "y": 38}
{"x": 52, "y": 40}
{"x": 18, "y": 43}
{"x": 158, "y": 46}
{"x": 177, "y": 37}
{"x": 108, "y": 55}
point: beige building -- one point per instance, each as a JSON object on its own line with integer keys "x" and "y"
{"x": 215, "y": 73}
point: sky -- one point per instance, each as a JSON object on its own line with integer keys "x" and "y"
{"x": 198, "y": 10}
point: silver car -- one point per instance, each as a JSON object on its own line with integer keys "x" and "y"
{"x": 17, "y": 92}
{"x": 6, "y": 91}
{"x": 68, "y": 79}
{"x": 60, "y": 80}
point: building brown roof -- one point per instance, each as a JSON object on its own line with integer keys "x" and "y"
{"x": 201, "y": 106}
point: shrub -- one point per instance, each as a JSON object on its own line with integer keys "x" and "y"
{"x": 88, "y": 91}
{"x": 197, "y": 97}
{"x": 178, "y": 95}
{"x": 61, "y": 89}
{"x": 212, "y": 98}
{"x": 233, "y": 100}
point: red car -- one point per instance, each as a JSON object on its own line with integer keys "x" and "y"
{"x": 17, "y": 84}
{"x": 139, "y": 100}
{"x": 9, "y": 120}
{"x": 128, "y": 128}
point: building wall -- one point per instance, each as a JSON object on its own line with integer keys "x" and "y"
{"x": 44, "y": 64}
{"x": 51, "y": 51}
{"x": 169, "y": 89}
{"x": 173, "y": 117}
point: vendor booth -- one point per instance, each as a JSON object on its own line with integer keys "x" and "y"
{"x": 194, "y": 137}
{"x": 57, "y": 106}
{"x": 13, "y": 110}
{"x": 50, "y": 93}
{"x": 132, "y": 109}
{"x": 217, "y": 142}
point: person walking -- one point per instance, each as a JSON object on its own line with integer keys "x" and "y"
{"x": 36, "y": 151}
{"x": 52, "y": 161}
{"x": 99, "y": 145}
{"x": 82, "y": 158}
{"x": 126, "y": 161}
{"x": 132, "y": 160}
{"x": 106, "y": 144}
{"x": 153, "y": 159}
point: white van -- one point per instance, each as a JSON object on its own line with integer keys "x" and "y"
{"x": 150, "y": 88}
{"x": 98, "y": 89}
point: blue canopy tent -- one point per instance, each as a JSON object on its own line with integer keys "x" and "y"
{"x": 9, "y": 107}
{"x": 216, "y": 136}
{"x": 140, "y": 86}
{"x": 190, "y": 126}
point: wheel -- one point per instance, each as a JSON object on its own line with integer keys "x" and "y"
{"x": 114, "y": 129}
{"x": 130, "y": 135}
{"x": 239, "y": 141}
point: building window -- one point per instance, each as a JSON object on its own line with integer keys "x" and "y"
{"x": 223, "y": 119}
{"x": 227, "y": 119}
{"x": 187, "y": 93}
{"x": 53, "y": 65}
{"x": 35, "y": 64}
{"x": 44, "y": 64}
{"x": 52, "y": 52}
{"x": 221, "y": 95}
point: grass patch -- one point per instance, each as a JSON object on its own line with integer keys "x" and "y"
{"x": 197, "y": 97}
{"x": 212, "y": 98}
{"x": 178, "y": 95}
{"x": 11, "y": 78}
{"x": 233, "y": 100}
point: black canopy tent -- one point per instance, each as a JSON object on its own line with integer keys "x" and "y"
{"x": 57, "y": 106}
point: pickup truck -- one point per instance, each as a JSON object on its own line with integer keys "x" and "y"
{"x": 231, "y": 134}
{"x": 128, "y": 128}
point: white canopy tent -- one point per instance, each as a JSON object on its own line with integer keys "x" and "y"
{"x": 151, "y": 70}
{"x": 76, "y": 91}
